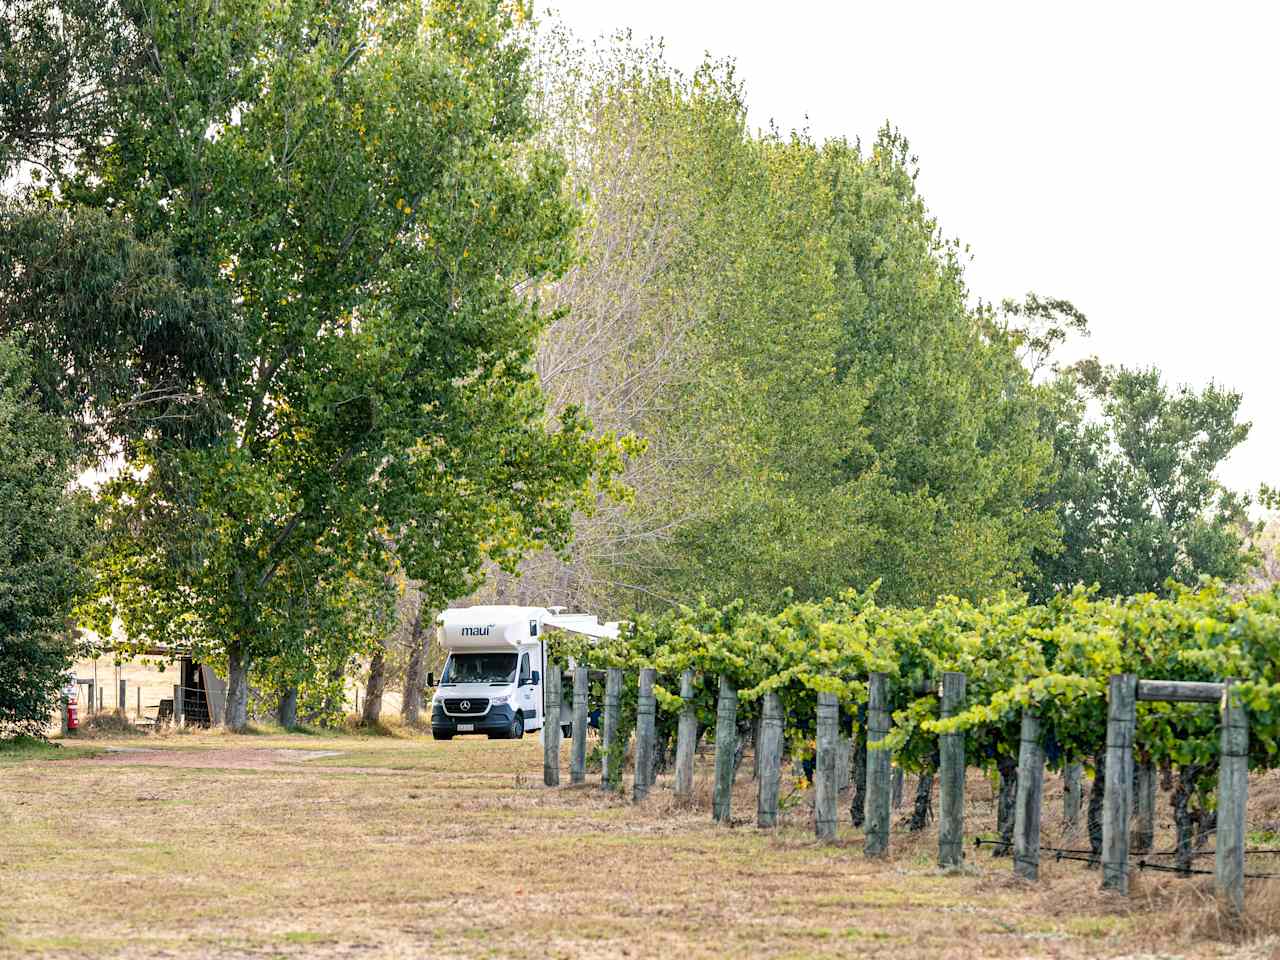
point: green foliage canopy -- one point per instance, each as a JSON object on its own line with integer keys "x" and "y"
{"x": 355, "y": 180}
{"x": 835, "y": 413}
{"x": 43, "y": 532}
{"x": 1135, "y": 493}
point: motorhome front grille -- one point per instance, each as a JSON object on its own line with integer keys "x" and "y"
{"x": 466, "y": 705}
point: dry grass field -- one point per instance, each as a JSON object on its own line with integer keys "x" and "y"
{"x": 272, "y": 845}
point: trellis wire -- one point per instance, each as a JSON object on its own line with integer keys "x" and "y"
{"x": 1088, "y": 856}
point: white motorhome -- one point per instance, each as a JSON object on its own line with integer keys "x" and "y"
{"x": 492, "y": 682}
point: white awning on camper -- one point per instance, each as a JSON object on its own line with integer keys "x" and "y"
{"x": 583, "y": 623}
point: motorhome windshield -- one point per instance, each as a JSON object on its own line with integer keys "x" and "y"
{"x": 479, "y": 668}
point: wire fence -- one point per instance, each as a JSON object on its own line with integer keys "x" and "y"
{"x": 1089, "y": 856}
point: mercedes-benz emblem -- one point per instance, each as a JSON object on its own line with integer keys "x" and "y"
{"x": 465, "y": 705}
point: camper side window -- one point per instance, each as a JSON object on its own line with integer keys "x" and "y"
{"x": 525, "y": 676}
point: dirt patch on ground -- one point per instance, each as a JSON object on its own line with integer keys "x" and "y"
{"x": 232, "y": 759}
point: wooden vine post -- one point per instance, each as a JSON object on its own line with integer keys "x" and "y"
{"x": 951, "y": 791}
{"x": 551, "y": 728}
{"x": 826, "y": 787}
{"x": 1072, "y": 794}
{"x": 770, "y": 760}
{"x": 610, "y": 751}
{"x": 1233, "y": 794}
{"x": 1026, "y": 823}
{"x": 686, "y": 739}
{"x": 878, "y": 776}
{"x": 1122, "y": 717}
{"x": 1233, "y": 778}
{"x": 578, "y": 755}
{"x": 646, "y": 709}
{"x": 726, "y": 741}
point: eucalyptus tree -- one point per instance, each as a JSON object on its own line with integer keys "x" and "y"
{"x": 60, "y": 61}
{"x": 1136, "y": 491}
{"x": 356, "y": 181}
{"x": 126, "y": 339}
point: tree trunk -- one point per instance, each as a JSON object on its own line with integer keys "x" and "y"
{"x": 755, "y": 749}
{"x": 1006, "y": 804}
{"x": 411, "y": 705}
{"x": 1206, "y": 827}
{"x": 1072, "y": 779}
{"x": 858, "y": 805}
{"x": 923, "y": 811}
{"x": 744, "y": 733}
{"x": 1184, "y": 820}
{"x": 662, "y": 752}
{"x": 236, "y": 717}
{"x": 1097, "y": 794}
{"x": 288, "y": 710}
{"x": 373, "y": 690}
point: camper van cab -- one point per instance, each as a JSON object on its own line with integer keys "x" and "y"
{"x": 492, "y": 682}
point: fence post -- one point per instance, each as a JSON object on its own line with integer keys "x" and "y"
{"x": 179, "y": 712}
{"x": 770, "y": 748}
{"x": 611, "y": 756}
{"x": 686, "y": 739}
{"x": 551, "y": 727}
{"x": 1144, "y": 807}
{"x": 122, "y": 697}
{"x": 92, "y": 701}
{"x": 952, "y": 763}
{"x": 1233, "y": 794}
{"x": 1122, "y": 691}
{"x": 1072, "y": 794}
{"x": 1026, "y": 824}
{"x": 878, "y": 719}
{"x": 825, "y": 790}
{"x": 646, "y": 708}
{"x": 899, "y": 782}
{"x": 726, "y": 737}
{"x": 578, "y": 753}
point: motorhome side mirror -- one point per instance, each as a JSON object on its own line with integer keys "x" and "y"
{"x": 431, "y": 679}
{"x": 536, "y": 678}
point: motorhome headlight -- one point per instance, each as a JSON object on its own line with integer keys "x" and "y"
{"x": 498, "y": 701}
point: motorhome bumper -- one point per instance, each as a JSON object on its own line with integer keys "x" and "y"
{"x": 498, "y": 719}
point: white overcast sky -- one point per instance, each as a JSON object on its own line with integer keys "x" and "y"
{"x": 1122, "y": 155}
